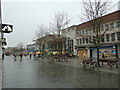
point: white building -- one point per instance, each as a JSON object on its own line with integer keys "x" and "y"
{"x": 70, "y": 41}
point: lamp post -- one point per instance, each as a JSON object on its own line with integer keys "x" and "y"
{"x": 0, "y": 33}
{"x": 0, "y": 48}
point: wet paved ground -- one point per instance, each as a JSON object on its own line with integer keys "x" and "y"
{"x": 35, "y": 74}
{"x": 0, "y": 73}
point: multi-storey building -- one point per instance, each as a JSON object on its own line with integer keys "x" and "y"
{"x": 70, "y": 39}
{"x": 31, "y": 47}
{"x": 47, "y": 44}
{"x": 110, "y": 42}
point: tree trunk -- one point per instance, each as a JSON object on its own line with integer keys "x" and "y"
{"x": 59, "y": 50}
{"x": 42, "y": 50}
{"x": 98, "y": 59}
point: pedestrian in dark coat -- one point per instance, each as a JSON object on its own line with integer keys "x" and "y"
{"x": 21, "y": 55}
{"x": 3, "y": 56}
{"x": 34, "y": 55}
{"x": 30, "y": 55}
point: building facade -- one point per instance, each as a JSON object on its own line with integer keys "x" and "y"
{"x": 70, "y": 39}
{"x": 110, "y": 41}
{"x": 31, "y": 48}
{"x": 47, "y": 44}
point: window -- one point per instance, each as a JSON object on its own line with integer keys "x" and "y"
{"x": 107, "y": 27}
{"x": 93, "y": 30}
{"x": 83, "y": 32}
{"x": 118, "y": 24}
{"x": 113, "y": 37}
{"x": 77, "y": 33}
{"x": 102, "y": 28}
{"x": 80, "y": 41}
{"x": 107, "y": 37}
{"x": 77, "y": 41}
{"x": 72, "y": 42}
{"x": 89, "y": 31}
{"x": 102, "y": 38}
{"x": 90, "y": 39}
{"x": 80, "y": 32}
{"x": 83, "y": 40}
{"x": 86, "y": 32}
{"x": 118, "y": 36}
{"x": 86, "y": 40}
{"x": 111, "y": 26}
{"x": 94, "y": 39}
{"x": 64, "y": 45}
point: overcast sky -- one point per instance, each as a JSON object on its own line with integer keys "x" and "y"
{"x": 26, "y": 15}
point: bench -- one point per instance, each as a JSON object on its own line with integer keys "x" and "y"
{"x": 90, "y": 63}
{"x": 61, "y": 58}
{"x": 56, "y": 59}
{"x": 104, "y": 61}
{"x": 64, "y": 58}
{"x": 112, "y": 63}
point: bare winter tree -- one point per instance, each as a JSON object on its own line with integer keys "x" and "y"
{"x": 40, "y": 34}
{"x": 94, "y": 10}
{"x": 20, "y": 47}
{"x": 60, "y": 21}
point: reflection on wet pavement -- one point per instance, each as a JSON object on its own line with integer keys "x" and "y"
{"x": 30, "y": 73}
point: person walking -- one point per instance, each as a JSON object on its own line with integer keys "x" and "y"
{"x": 15, "y": 56}
{"x": 21, "y": 55}
{"x": 34, "y": 55}
{"x": 3, "y": 56}
{"x": 103, "y": 56}
{"x": 30, "y": 55}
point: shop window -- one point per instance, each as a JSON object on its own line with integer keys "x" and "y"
{"x": 107, "y": 37}
{"x": 113, "y": 52}
{"x": 118, "y": 36}
{"x": 113, "y": 37}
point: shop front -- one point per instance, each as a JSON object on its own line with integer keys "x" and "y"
{"x": 106, "y": 52}
{"x": 82, "y": 53}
